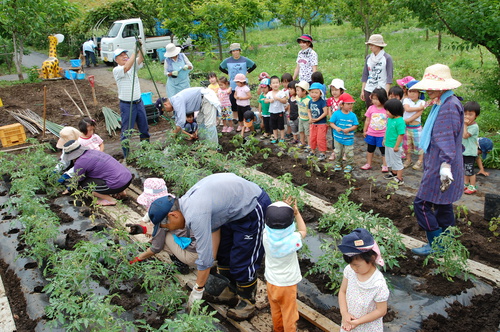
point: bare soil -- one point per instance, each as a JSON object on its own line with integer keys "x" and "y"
{"x": 483, "y": 246}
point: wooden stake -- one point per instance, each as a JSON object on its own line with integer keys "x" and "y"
{"x": 74, "y": 102}
{"x": 77, "y": 90}
{"x": 44, "y": 109}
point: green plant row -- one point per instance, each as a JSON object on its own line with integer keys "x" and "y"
{"x": 73, "y": 275}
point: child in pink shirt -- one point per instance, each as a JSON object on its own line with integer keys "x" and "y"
{"x": 374, "y": 129}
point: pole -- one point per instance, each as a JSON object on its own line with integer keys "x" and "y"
{"x": 44, "y": 109}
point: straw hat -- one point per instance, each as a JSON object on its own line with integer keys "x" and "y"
{"x": 437, "y": 77}
{"x": 376, "y": 40}
{"x": 154, "y": 188}
{"x": 67, "y": 134}
{"x": 171, "y": 50}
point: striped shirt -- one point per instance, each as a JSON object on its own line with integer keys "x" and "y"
{"x": 124, "y": 83}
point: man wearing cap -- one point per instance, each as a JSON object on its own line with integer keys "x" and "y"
{"x": 129, "y": 92}
{"x": 378, "y": 69}
{"x": 88, "y": 49}
{"x": 236, "y": 64}
{"x": 228, "y": 209}
{"x": 307, "y": 59}
{"x": 192, "y": 100}
{"x": 441, "y": 141}
{"x": 99, "y": 171}
{"x": 177, "y": 68}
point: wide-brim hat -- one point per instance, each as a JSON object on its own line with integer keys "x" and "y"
{"x": 119, "y": 51}
{"x": 356, "y": 242}
{"x": 338, "y": 83}
{"x": 240, "y": 78}
{"x": 171, "y": 50}
{"x": 154, "y": 188}
{"x": 67, "y": 134}
{"x": 159, "y": 210}
{"x": 303, "y": 84}
{"x": 437, "y": 77}
{"x": 307, "y": 38}
{"x": 234, "y": 47}
{"x": 279, "y": 215}
{"x": 376, "y": 40}
{"x": 72, "y": 150}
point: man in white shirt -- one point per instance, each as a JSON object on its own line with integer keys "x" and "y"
{"x": 88, "y": 50}
{"x": 129, "y": 92}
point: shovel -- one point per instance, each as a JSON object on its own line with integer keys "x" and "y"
{"x": 91, "y": 81}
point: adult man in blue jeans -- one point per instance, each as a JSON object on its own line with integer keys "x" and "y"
{"x": 227, "y": 209}
{"x": 129, "y": 92}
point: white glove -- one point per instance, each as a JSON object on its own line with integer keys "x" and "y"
{"x": 175, "y": 73}
{"x": 445, "y": 176}
{"x": 186, "y": 67}
{"x": 146, "y": 218}
{"x": 195, "y": 295}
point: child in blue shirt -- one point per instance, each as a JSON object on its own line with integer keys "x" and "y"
{"x": 317, "y": 111}
{"x": 344, "y": 123}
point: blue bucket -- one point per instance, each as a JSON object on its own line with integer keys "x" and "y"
{"x": 80, "y": 76}
{"x": 75, "y": 63}
{"x": 147, "y": 98}
{"x": 70, "y": 74}
{"x": 161, "y": 54}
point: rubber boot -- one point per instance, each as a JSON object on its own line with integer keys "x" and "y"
{"x": 245, "y": 308}
{"x": 183, "y": 268}
{"x": 228, "y": 295}
{"x": 427, "y": 249}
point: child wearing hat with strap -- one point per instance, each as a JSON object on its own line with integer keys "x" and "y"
{"x": 281, "y": 242}
{"x": 363, "y": 294}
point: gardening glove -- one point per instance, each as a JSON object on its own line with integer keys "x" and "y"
{"x": 175, "y": 73}
{"x": 135, "y": 260}
{"x": 186, "y": 67}
{"x": 445, "y": 176}
{"x": 196, "y": 295}
{"x": 63, "y": 178}
{"x": 136, "y": 229}
{"x": 146, "y": 218}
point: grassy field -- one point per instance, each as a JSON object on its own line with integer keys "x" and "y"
{"x": 341, "y": 52}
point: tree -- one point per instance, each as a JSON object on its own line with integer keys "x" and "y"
{"x": 33, "y": 19}
{"x": 300, "y": 13}
{"x": 368, "y": 15}
{"x": 476, "y": 22}
{"x": 247, "y": 12}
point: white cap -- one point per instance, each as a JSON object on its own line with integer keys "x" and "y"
{"x": 119, "y": 51}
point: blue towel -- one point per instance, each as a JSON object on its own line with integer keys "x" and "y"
{"x": 183, "y": 242}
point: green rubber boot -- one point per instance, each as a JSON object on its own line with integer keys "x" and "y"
{"x": 245, "y": 308}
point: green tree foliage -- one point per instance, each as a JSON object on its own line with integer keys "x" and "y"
{"x": 23, "y": 19}
{"x": 368, "y": 15}
{"x": 300, "y": 13}
{"x": 248, "y": 12}
{"x": 476, "y": 22}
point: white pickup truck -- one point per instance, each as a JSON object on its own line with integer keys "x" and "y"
{"x": 122, "y": 34}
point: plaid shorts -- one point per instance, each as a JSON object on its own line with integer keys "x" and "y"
{"x": 411, "y": 140}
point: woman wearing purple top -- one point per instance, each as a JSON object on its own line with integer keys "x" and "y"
{"x": 99, "y": 171}
{"x": 441, "y": 140}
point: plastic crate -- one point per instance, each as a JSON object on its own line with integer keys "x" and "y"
{"x": 152, "y": 113}
{"x": 12, "y": 135}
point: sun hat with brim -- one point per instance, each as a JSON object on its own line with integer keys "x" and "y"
{"x": 316, "y": 85}
{"x": 303, "y": 84}
{"x": 119, "y": 51}
{"x": 159, "y": 210}
{"x": 485, "y": 145}
{"x": 234, "y": 47}
{"x": 67, "y": 134}
{"x": 356, "y": 242}
{"x": 307, "y": 38}
{"x": 403, "y": 81}
{"x": 240, "y": 78}
{"x": 279, "y": 215}
{"x": 437, "y": 77}
{"x": 154, "y": 188}
{"x": 337, "y": 83}
{"x": 72, "y": 150}
{"x": 346, "y": 98}
{"x": 376, "y": 40}
{"x": 171, "y": 50}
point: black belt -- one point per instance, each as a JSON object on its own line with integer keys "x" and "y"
{"x": 131, "y": 102}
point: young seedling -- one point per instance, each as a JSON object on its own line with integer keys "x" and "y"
{"x": 494, "y": 226}
{"x": 463, "y": 211}
{"x": 391, "y": 187}
{"x": 372, "y": 179}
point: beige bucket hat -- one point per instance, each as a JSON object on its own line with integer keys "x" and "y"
{"x": 67, "y": 134}
{"x": 376, "y": 40}
{"x": 437, "y": 77}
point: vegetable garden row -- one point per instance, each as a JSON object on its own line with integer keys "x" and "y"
{"x": 87, "y": 282}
